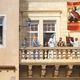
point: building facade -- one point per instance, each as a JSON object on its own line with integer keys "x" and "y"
{"x": 43, "y": 18}
{"x": 9, "y": 43}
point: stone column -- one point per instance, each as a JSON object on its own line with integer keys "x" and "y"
{"x": 30, "y": 70}
{"x": 69, "y": 72}
{"x": 56, "y": 72}
{"x": 43, "y": 71}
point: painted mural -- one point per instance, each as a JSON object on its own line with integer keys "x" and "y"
{"x": 73, "y": 16}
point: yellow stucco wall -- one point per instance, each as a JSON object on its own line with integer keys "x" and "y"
{"x": 9, "y": 55}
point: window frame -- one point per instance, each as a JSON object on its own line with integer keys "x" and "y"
{"x": 34, "y": 31}
{"x": 48, "y": 21}
{"x": 3, "y": 45}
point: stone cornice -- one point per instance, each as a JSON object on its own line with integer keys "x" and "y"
{"x": 52, "y": 0}
{"x": 46, "y": 0}
{"x": 41, "y": 11}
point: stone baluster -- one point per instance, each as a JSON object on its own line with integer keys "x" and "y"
{"x": 23, "y": 54}
{"x": 56, "y": 72}
{"x": 69, "y": 54}
{"x": 50, "y": 54}
{"x": 69, "y": 72}
{"x": 78, "y": 53}
{"x": 30, "y": 71}
{"x": 41, "y": 54}
{"x": 76, "y": 56}
{"x": 35, "y": 54}
{"x": 73, "y": 54}
{"x": 59, "y": 54}
{"x": 55, "y": 55}
{"x": 45, "y": 54}
{"x": 31, "y": 54}
{"x": 64, "y": 54}
{"x": 28, "y": 54}
{"x": 43, "y": 71}
{"x": 20, "y": 55}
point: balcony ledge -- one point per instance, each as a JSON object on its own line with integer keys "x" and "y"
{"x": 51, "y": 62}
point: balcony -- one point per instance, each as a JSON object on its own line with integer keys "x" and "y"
{"x": 46, "y": 55}
{"x": 44, "y": 61}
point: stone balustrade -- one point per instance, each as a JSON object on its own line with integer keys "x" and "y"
{"x": 46, "y": 53}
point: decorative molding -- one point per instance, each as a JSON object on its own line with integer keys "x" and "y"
{"x": 43, "y": 72}
{"x": 30, "y": 71}
{"x": 22, "y": 11}
{"x": 47, "y": 0}
{"x": 7, "y": 68}
{"x": 69, "y": 72}
{"x": 56, "y": 72}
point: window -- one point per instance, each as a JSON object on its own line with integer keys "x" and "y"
{"x": 48, "y": 29}
{"x": 2, "y": 31}
{"x": 27, "y": 32}
{"x": 33, "y": 30}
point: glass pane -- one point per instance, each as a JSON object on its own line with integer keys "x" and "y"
{"x": 31, "y": 37}
{"x": 1, "y": 19}
{"x": 49, "y": 25}
{"x": 53, "y": 28}
{"x": 45, "y": 27}
{"x": 1, "y": 34}
{"x": 32, "y": 34}
{"x": 34, "y": 25}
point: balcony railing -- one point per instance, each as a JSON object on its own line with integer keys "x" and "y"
{"x": 57, "y": 54}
